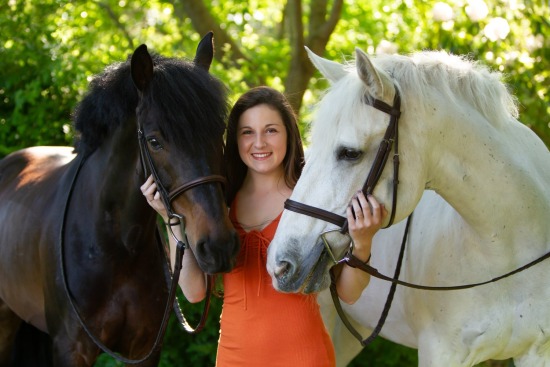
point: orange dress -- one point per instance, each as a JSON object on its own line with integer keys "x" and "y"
{"x": 261, "y": 327}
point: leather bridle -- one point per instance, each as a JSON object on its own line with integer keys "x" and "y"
{"x": 390, "y": 139}
{"x": 167, "y": 197}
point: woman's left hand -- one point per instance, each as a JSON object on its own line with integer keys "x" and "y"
{"x": 368, "y": 219}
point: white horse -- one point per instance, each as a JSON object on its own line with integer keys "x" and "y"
{"x": 488, "y": 212}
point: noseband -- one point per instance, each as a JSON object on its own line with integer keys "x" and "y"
{"x": 389, "y": 140}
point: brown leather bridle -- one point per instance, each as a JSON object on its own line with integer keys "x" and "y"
{"x": 390, "y": 139}
{"x": 167, "y": 197}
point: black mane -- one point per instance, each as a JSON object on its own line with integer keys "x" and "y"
{"x": 192, "y": 102}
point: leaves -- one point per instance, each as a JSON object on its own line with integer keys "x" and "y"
{"x": 52, "y": 48}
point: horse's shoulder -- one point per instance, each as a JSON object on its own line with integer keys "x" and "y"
{"x": 34, "y": 160}
{"x": 40, "y": 152}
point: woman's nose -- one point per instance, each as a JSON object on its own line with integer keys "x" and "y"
{"x": 260, "y": 141}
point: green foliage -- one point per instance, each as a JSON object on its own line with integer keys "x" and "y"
{"x": 52, "y": 48}
{"x": 50, "y": 51}
{"x": 405, "y": 26}
{"x": 383, "y": 353}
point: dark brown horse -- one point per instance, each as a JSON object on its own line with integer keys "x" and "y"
{"x": 108, "y": 251}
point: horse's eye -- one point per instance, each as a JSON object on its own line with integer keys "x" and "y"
{"x": 154, "y": 144}
{"x": 349, "y": 154}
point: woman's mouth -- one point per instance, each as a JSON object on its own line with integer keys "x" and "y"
{"x": 260, "y": 155}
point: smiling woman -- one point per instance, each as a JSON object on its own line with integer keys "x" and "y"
{"x": 264, "y": 155}
{"x": 264, "y": 158}
{"x": 262, "y": 139}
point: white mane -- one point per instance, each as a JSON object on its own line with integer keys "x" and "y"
{"x": 456, "y": 77}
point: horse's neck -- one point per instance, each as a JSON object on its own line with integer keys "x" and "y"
{"x": 496, "y": 178}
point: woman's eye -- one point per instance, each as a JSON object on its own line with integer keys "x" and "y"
{"x": 154, "y": 144}
{"x": 349, "y": 154}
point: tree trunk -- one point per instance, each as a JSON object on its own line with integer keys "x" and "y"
{"x": 321, "y": 25}
{"x": 323, "y": 20}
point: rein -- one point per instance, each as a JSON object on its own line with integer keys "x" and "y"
{"x": 390, "y": 138}
{"x": 70, "y": 297}
{"x": 181, "y": 245}
{"x": 148, "y": 165}
{"x": 354, "y": 262}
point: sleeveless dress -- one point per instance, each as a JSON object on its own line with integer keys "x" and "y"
{"x": 261, "y": 327}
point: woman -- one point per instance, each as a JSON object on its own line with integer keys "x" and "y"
{"x": 260, "y": 326}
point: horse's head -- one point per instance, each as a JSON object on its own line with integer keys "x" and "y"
{"x": 181, "y": 117}
{"x": 347, "y": 133}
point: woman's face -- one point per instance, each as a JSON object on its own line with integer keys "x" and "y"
{"x": 262, "y": 139}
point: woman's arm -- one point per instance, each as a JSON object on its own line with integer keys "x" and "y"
{"x": 192, "y": 279}
{"x": 350, "y": 282}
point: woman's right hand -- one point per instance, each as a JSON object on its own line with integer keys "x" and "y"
{"x": 149, "y": 190}
{"x": 192, "y": 281}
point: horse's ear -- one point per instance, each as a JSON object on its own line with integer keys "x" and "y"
{"x": 142, "y": 68}
{"x": 331, "y": 70}
{"x": 205, "y": 51}
{"x": 368, "y": 74}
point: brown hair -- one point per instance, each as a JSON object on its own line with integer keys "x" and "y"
{"x": 294, "y": 158}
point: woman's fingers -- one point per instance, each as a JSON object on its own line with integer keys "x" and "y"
{"x": 358, "y": 209}
{"x": 146, "y": 184}
{"x": 367, "y": 206}
{"x": 149, "y": 189}
{"x": 365, "y": 211}
{"x": 351, "y": 218}
{"x": 151, "y": 192}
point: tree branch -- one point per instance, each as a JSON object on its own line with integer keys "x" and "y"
{"x": 117, "y": 22}
{"x": 281, "y": 25}
{"x": 204, "y": 22}
{"x": 296, "y": 27}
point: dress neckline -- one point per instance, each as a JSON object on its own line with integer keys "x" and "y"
{"x": 237, "y": 225}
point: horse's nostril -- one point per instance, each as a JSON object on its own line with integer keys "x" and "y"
{"x": 217, "y": 255}
{"x": 282, "y": 270}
